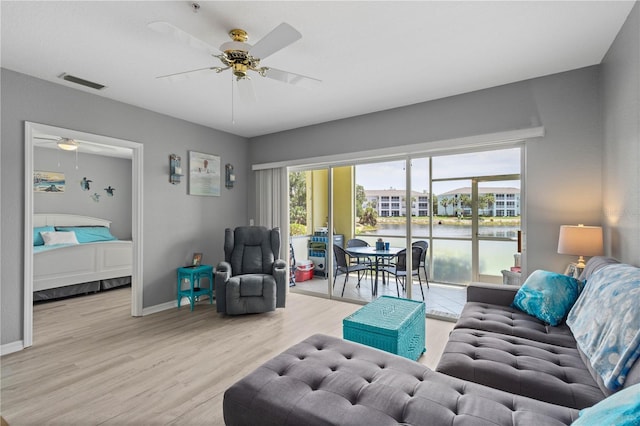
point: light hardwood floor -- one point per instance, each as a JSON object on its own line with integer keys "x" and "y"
{"x": 93, "y": 364}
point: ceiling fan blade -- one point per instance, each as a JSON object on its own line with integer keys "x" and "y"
{"x": 292, "y": 78}
{"x": 184, "y": 75}
{"x": 245, "y": 90}
{"x": 182, "y": 36}
{"x": 279, "y": 38}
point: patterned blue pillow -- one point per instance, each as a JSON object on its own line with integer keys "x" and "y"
{"x": 547, "y": 296}
{"x": 620, "y": 409}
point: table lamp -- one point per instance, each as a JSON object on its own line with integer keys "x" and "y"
{"x": 580, "y": 241}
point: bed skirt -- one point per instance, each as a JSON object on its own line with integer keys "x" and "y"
{"x": 82, "y": 288}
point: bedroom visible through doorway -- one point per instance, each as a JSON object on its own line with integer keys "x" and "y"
{"x": 32, "y": 130}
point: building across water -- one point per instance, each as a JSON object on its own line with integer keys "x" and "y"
{"x": 498, "y": 202}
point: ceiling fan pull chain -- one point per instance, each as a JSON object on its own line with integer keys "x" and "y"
{"x": 233, "y": 120}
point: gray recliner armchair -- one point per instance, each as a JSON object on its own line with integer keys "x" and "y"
{"x": 251, "y": 279}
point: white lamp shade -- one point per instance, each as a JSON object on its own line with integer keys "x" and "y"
{"x": 580, "y": 240}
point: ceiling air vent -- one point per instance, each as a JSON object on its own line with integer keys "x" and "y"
{"x": 82, "y": 82}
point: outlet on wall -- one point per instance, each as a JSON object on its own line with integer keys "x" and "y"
{"x": 250, "y": 222}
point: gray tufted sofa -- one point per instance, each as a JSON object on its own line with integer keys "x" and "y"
{"x": 329, "y": 381}
{"x": 504, "y": 348}
{"x": 499, "y": 367}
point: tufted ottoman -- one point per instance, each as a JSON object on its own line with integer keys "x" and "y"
{"x": 324, "y": 380}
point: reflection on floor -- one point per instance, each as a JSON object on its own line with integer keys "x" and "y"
{"x": 442, "y": 301}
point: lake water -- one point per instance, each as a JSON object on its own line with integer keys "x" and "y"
{"x": 453, "y": 231}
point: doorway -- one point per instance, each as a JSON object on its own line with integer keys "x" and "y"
{"x": 33, "y": 129}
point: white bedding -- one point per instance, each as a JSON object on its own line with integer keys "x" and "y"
{"x": 63, "y": 265}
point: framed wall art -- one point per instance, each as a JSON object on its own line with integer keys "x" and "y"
{"x": 204, "y": 174}
{"x": 48, "y": 181}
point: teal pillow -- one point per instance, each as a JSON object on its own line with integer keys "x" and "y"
{"x": 89, "y": 234}
{"x": 620, "y": 409}
{"x": 547, "y": 296}
{"x": 37, "y": 238}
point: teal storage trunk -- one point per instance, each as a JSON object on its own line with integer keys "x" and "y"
{"x": 390, "y": 324}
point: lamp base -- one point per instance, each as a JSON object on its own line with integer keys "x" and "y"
{"x": 580, "y": 263}
{"x": 573, "y": 270}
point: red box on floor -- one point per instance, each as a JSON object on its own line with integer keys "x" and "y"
{"x": 304, "y": 271}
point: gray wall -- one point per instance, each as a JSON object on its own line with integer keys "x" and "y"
{"x": 175, "y": 224}
{"x": 563, "y": 169}
{"x": 621, "y": 112}
{"x": 103, "y": 171}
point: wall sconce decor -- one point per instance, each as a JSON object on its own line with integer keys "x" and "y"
{"x": 229, "y": 176}
{"x": 175, "y": 170}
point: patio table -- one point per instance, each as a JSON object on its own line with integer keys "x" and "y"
{"x": 377, "y": 255}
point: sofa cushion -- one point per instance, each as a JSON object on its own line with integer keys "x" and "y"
{"x": 620, "y": 409}
{"x": 547, "y": 296}
{"x": 329, "y": 381}
{"x": 513, "y": 322}
{"x": 250, "y": 294}
{"x": 253, "y": 284}
{"x": 542, "y": 371}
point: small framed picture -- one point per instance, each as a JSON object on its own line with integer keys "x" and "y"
{"x": 197, "y": 259}
{"x": 572, "y": 270}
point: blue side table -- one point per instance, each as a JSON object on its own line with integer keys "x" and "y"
{"x": 193, "y": 274}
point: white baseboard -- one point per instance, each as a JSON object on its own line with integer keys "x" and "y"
{"x": 12, "y": 347}
{"x": 171, "y": 305}
{"x": 159, "y": 308}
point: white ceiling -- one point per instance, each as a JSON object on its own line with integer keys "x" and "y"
{"x": 370, "y": 56}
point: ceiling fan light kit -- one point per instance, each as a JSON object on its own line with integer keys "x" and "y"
{"x": 67, "y": 144}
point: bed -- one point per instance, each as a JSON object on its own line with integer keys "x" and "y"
{"x": 97, "y": 261}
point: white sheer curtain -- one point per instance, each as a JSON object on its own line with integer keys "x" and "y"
{"x": 272, "y": 202}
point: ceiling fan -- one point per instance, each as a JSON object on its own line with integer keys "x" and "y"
{"x": 240, "y": 57}
{"x": 65, "y": 144}
{"x": 68, "y": 144}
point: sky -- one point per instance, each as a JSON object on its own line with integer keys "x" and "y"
{"x": 390, "y": 174}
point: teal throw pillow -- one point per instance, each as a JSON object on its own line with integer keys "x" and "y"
{"x": 37, "y": 237}
{"x": 547, "y": 296}
{"x": 620, "y": 409}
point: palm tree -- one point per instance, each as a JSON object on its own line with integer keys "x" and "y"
{"x": 487, "y": 201}
{"x": 465, "y": 201}
{"x": 445, "y": 201}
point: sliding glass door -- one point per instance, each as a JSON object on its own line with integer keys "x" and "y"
{"x": 497, "y": 213}
{"x": 465, "y": 208}
{"x": 476, "y": 215}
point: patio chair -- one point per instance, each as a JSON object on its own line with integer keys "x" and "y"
{"x": 366, "y": 260}
{"x": 399, "y": 269}
{"x": 423, "y": 259}
{"x": 344, "y": 266}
